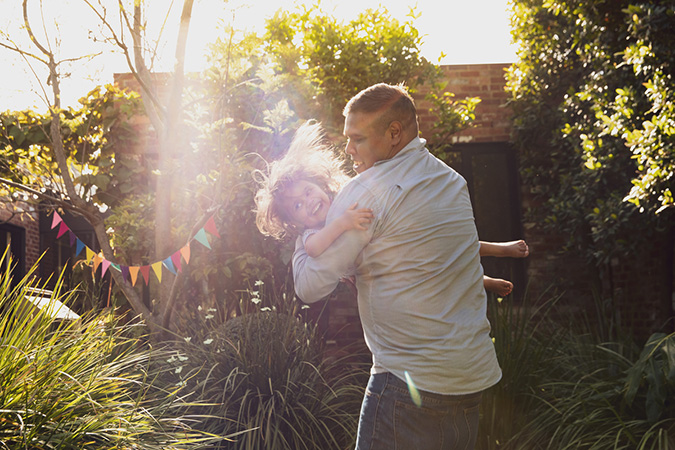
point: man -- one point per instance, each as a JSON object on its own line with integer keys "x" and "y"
{"x": 420, "y": 283}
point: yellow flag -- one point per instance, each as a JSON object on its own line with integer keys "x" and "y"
{"x": 157, "y": 268}
{"x": 90, "y": 254}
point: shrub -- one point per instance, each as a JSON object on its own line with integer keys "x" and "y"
{"x": 564, "y": 388}
{"x": 524, "y": 336}
{"x": 262, "y": 378}
{"x": 78, "y": 384}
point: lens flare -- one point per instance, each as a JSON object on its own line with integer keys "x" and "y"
{"x": 414, "y": 393}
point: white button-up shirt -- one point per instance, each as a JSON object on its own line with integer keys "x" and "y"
{"x": 420, "y": 283}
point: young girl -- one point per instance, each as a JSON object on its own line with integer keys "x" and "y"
{"x": 293, "y": 200}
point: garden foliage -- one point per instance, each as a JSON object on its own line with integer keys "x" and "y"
{"x": 592, "y": 100}
{"x": 78, "y": 384}
{"x": 591, "y": 94}
{"x": 262, "y": 380}
{"x": 564, "y": 387}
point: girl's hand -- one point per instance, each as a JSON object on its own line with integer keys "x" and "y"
{"x": 357, "y": 219}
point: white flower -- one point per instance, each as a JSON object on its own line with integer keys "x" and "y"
{"x": 199, "y": 308}
{"x": 182, "y": 358}
{"x": 256, "y": 300}
{"x": 209, "y": 316}
{"x": 188, "y": 339}
{"x": 208, "y": 341}
{"x": 179, "y": 369}
{"x": 259, "y": 283}
{"x": 266, "y": 308}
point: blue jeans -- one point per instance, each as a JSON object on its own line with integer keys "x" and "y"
{"x": 390, "y": 420}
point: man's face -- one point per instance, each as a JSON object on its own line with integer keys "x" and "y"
{"x": 306, "y": 204}
{"x": 366, "y": 144}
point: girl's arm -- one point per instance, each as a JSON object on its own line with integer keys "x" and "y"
{"x": 511, "y": 249}
{"x": 351, "y": 219}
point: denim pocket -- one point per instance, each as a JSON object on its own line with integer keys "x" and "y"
{"x": 419, "y": 428}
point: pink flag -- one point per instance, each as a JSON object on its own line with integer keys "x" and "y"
{"x": 175, "y": 259}
{"x": 56, "y": 220}
{"x": 210, "y": 226}
{"x": 62, "y": 229}
{"x": 104, "y": 266}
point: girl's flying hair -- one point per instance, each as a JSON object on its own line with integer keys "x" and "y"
{"x": 309, "y": 158}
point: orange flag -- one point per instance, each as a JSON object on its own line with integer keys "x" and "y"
{"x": 133, "y": 271}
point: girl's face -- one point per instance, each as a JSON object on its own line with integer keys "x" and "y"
{"x": 306, "y": 204}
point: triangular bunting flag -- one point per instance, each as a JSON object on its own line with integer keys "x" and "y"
{"x": 79, "y": 247}
{"x": 104, "y": 266}
{"x": 173, "y": 263}
{"x": 56, "y": 220}
{"x": 157, "y": 268}
{"x": 169, "y": 265}
{"x": 133, "y": 271}
{"x": 98, "y": 258}
{"x": 185, "y": 253}
{"x": 145, "y": 271}
{"x": 175, "y": 259}
{"x": 202, "y": 239}
{"x": 125, "y": 272}
{"x": 210, "y": 226}
{"x": 62, "y": 230}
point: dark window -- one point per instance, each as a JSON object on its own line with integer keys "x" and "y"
{"x": 13, "y": 247}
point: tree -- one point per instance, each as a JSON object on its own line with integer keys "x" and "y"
{"x": 592, "y": 94}
{"x": 63, "y": 189}
{"x": 324, "y": 62}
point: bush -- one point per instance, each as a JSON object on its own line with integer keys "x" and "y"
{"x": 262, "y": 378}
{"x": 564, "y": 388}
{"x": 76, "y": 384}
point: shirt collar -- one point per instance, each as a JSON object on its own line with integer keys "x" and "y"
{"x": 417, "y": 143}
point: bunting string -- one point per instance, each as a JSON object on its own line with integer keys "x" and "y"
{"x": 174, "y": 263}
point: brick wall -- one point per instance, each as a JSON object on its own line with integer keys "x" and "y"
{"x": 485, "y": 81}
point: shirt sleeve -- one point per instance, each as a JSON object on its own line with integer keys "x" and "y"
{"x": 307, "y": 233}
{"x": 316, "y": 278}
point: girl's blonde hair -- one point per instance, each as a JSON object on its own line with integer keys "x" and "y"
{"x": 309, "y": 158}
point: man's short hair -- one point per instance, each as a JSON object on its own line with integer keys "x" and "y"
{"x": 392, "y": 101}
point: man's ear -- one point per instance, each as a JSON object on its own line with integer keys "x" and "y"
{"x": 395, "y": 132}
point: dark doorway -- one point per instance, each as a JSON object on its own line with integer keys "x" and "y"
{"x": 13, "y": 247}
{"x": 491, "y": 173}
